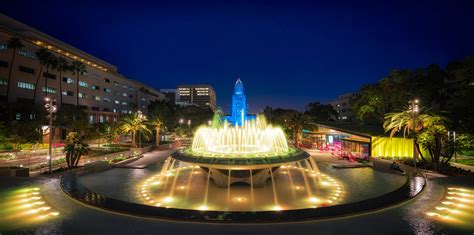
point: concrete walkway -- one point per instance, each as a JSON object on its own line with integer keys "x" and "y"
{"x": 151, "y": 158}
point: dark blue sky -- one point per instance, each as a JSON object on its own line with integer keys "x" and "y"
{"x": 286, "y": 53}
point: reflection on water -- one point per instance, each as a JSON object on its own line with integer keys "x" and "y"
{"x": 457, "y": 207}
{"x": 24, "y": 206}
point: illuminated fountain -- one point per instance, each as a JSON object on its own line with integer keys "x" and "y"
{"x": 240, "y": 163}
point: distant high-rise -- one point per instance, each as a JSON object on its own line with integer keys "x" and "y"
{"x": 203, "y": 96}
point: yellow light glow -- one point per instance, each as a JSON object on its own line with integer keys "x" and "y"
{"x": 313, "y": 199}
{"x": 203, "y": 208}
{"x": 168, "y": 199}
{"x": 277, "y": 208}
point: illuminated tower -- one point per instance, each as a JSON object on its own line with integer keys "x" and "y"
{"x": 239, "y": 104}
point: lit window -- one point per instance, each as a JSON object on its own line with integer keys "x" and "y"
{"x": 27, "y": 54}
{"x": 105, "y": 99}
{"x": 3, "y": 46}
{"x": 95, "y": 87}
{"x": 97, "y": 98}
{"x": 107, "y": 90}
{"x": 68, "y": 80}
{"x": 25, "y": 85}
{"x": 68, "y": 93}
{"x": 124, "y": 103}
{"x": 83, "y": 84}
{"x": 49, "y": 90}
{"x": 82, "y": 95}
{"x": 3, "y": 82}
{"x": 125, "y": 94}
{"x": 116, "y": 102}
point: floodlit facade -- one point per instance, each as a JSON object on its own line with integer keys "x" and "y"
{"x": 343, "y": 107}
{"x": 101, "y": 91}
{"x": 203, "y": 96}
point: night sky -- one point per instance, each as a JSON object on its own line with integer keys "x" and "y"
{"x": 287, "y": 54}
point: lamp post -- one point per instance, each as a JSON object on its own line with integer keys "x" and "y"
{"x": 51, "y": 108}
{"x": 454, "y": 143}
{"x": 413, "y": 106}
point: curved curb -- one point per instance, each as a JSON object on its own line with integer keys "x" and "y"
{"x": 72, "y": 187}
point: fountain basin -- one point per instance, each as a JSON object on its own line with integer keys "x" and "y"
{"x": 239, "y": 162}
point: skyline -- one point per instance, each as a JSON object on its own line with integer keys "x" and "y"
{"x": 314, "y": 55}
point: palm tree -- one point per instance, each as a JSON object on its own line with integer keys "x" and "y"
{"x": 78, "y": 68}
{"x": 61, "y": 66}
{"x": 296, "y": 123}
{"x": 157, "y": 124}
{"x": 43, "y": 56}
{"x": 407, "y": 122}
{"x": 74, "y": 149}
{"x": 15, "y": 44}
{"x": 133, "y": 123}
{"x": 52, "y": 62}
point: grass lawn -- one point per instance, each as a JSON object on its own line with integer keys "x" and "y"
{"x": 466, "y": 161}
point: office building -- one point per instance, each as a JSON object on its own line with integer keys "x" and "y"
{"x": 203, "y": 96}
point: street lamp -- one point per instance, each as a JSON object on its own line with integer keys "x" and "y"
{"x": 50, "y": 108}
{"x": 189, "y": 122}
{"x": 181, "y": 121}
{"x": 414, "y": 108}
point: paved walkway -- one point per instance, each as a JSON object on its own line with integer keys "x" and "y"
{"x": 151, "y": 157}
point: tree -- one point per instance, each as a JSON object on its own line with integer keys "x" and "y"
{"x": 51, "y": 63}
{"x": 78, "y": 68}
{"x": 296, "y": 123}
{"x": 317, "y": 112}
{"x": 72, "y": 117}
{"x": 61, "y": 66}
{"x": 74, "y": 149}
{"x": 132, "y": 124}
{"x": 43, "y": 55}
{"x": 428, "y": 130}
{"x": 109, "y": 133}
{"x": 15, "y": 44}
{"x": 157, "y": 124}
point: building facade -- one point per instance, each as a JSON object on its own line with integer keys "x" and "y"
{"x": 343, "y": 107}
{"x": 102, "y": 92}
{"x": 203, "y": 96}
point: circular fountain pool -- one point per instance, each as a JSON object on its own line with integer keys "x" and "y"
{"x": 224, "y": 172}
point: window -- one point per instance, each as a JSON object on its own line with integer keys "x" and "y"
{"x": 3, "y": 82}
{"x": 3, "y": 46}
{"x": 97, "y": 98}
{"x": 49, "y": 75}
{"x": 143, "y": 99}
{"x": 18, "y": 116}
{"x": 68, "y": 80}
{"x": 26, "y": 69}
{"x": 106, "y": 80}
{"x": 3, "y": 64}
{"x": 124, "y": 103}
{"x": 105, "y": 99}
{"x": 101, "y": 118}
{"x": 95, "y": 76}
{"x": 124, "y": 94}
{"x": 95, "y": 87}
{"x": 116, "y": 83}
{"x": 107, "y": 90}
{"x": 114, "y": 110}
{"x": 124, "y": 111}
{"x": 49, "y": 90}
{"x": 83, "y": 84}
{"x": 95, "y": 108}
{"x": 27, "y": 54}
{"x": 68, "y": 93}
{"x": 26, "y": 85}
{"x": 91, "y": 119}
{"x": 82, "y": 95}
{"x": 130, "y": 96}
{"x": 116, "y": 102}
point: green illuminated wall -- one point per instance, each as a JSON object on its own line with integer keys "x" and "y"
{"x": 392, "y": 147}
